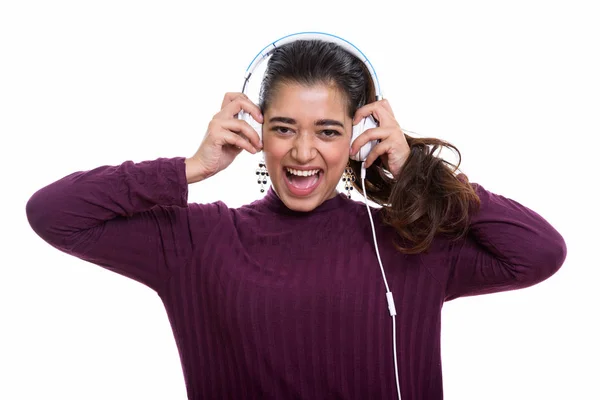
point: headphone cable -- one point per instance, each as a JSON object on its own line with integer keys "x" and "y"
{"x": 388, "y": 294}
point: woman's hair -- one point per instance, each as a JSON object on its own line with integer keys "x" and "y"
{"x": 427, "y": 198}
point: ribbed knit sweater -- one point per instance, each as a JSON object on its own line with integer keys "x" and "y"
{"x": 269, "y": 303}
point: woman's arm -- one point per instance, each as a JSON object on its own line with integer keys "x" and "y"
{"x": 132, "y": 218}
{"x": 509, "y": 247}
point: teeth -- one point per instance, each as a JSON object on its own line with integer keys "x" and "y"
{"x": 302, "y": 173}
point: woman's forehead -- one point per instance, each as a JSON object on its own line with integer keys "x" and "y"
{"x": 319, "y": 101}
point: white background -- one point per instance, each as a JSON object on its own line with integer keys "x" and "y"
{"x": 513, "y": 84}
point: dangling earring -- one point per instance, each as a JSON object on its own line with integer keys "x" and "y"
{"x": 348, "y": 177}
{"x": 262, "y": 174}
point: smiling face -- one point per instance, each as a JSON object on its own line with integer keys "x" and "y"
{"x": 306, "y": 137}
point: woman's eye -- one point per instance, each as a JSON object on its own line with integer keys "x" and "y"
{"x": 281, "y": 129}
{"x": 330, "y": 133}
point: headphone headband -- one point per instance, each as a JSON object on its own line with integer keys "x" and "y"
{"x": 346, "y": 45}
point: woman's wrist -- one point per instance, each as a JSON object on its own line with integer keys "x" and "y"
{"x": 194, "y": 171}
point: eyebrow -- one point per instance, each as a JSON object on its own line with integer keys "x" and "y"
{"x": 319, "y": 122}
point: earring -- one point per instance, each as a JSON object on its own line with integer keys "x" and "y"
{"x": 262, "y": 174}
{"x": 348, "y": 177}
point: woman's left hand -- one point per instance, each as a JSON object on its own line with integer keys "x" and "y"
{"x": 392, "y": 148}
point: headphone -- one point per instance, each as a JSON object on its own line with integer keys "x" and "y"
{"x": 366, "y": 123}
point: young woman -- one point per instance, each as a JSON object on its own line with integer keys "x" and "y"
{"x": 284, "y": 298}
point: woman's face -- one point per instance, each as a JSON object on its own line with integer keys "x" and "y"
{"x": 306, "y": 143}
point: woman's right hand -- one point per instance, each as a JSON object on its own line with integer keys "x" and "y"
{"x": 225, "y": 138}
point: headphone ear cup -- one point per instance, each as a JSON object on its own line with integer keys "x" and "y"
{"x": 255, "y": 125}
{"x": 356, "y": 131}
{"x": 365, "y": 124}
{"x": 258, "y": 128}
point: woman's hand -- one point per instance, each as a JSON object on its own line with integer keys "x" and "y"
{"x": 393, "y": 147}
{"x": 225, "y": 138}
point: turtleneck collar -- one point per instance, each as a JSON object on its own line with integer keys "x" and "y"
{"x": 274, "y": 203}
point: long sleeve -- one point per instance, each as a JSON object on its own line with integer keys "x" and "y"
{"x": 132, "y": 218}
{"x": 508, "y": 247}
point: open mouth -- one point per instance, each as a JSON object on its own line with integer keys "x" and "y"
{"x": 302, "y": 182}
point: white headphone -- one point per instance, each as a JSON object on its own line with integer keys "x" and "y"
{"x": 361, "y": 155}
{"x": 366, "y": 123}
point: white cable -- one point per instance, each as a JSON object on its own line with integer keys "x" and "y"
{"x": 388, "y": 294}
{"x": 396, "y": 357}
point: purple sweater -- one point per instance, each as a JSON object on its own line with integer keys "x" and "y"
{"x": 269, "y": 303}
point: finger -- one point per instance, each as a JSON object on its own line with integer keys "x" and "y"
{"x": 230, "y": 96}
{"x": 386, "y": 104}
{"x": 377, "y": 151}
{"x": 379, "y": 112}
{"x": 367, "y": 136}
{"x": 239, "y": 141}
{"x": 241, "y": 127}
{"x": 240, "y": 103}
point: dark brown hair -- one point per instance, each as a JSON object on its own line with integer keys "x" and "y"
{"x": 427, "y": 198}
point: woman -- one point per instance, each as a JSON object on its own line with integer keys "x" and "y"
{"x": 283, "y": 298}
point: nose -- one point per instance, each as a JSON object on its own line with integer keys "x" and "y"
{"x": 304, "y": 149}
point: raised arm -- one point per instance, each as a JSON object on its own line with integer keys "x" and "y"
{"x": 132, "y": 218}
{"x": 509, "y": 247}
